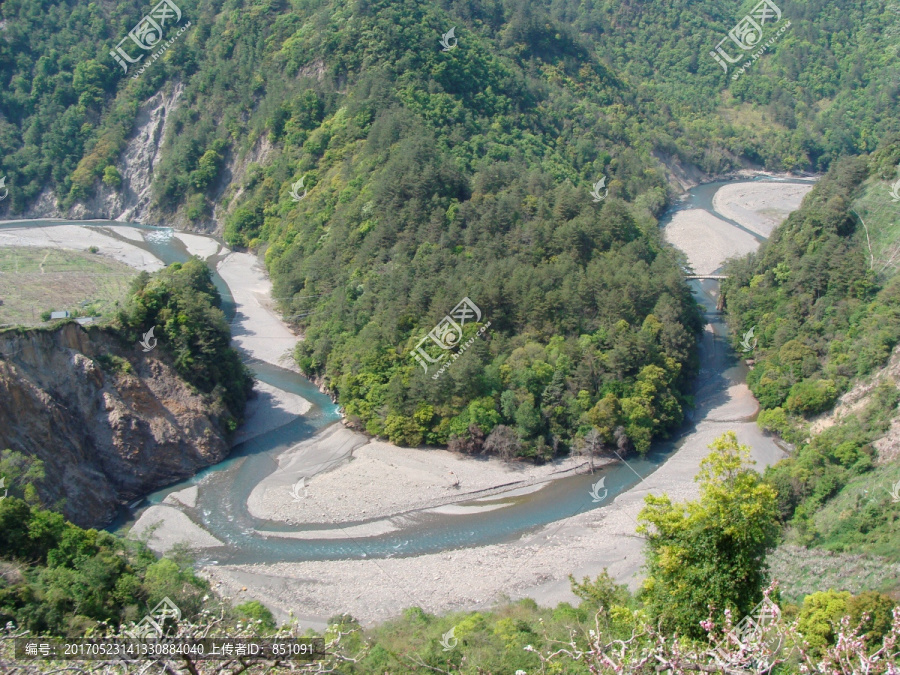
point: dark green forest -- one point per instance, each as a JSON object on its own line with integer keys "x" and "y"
{"x": 436, "y": 175}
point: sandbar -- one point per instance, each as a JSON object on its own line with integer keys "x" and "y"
{"x": 196, "y": 244}
{"x": 706, "y": 240}
{"x": 269, "y": 408}
{"x": 384, "y": 480}
{"x": 760, "y": 206}
{"x": 256, "y": 329}
{"x": 167, "y": 527}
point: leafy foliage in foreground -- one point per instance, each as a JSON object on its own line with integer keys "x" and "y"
{"x": 59, "y": 579}
{"x": 712, "y": 552}
{"x": 833, "y": 633}
{"x": 181, "y": 304}
{"x": 62, "y": 580}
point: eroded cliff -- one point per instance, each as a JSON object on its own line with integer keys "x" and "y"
{"x": 110, "y": 422}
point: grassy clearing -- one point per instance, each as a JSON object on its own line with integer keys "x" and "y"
{"x": 881, "y": 215}
{"x": 38, "y": 280}
{"x": 863, "y": 517}
{"x": 801, "y": 571}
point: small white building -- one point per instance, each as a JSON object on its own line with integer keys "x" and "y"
{"x": 59, "y": 315}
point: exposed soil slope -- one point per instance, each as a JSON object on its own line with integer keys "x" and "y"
{"x": 110, "y": 422}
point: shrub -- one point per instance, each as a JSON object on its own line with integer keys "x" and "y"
{"x": 820, "y": 615}
{"x": 256, "y": 612}
{"x": 111, "y": 176}
{"x": 811, "y": 396}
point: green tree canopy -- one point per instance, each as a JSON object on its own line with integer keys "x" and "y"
{"x": 710, "y": 553}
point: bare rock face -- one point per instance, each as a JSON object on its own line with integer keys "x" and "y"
{"x": 143, "y": 154}
{"x": 888, "y": 446}
{"x": 106, "y": 436}
{"x": 131, "y": 201}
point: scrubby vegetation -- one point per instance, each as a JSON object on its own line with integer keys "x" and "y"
{"x": 59, "y": 579}
{"x": 825, "y": 315}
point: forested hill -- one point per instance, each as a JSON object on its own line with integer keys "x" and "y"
{"x": 433, "y": 173}
{"x": 823, "y": 298}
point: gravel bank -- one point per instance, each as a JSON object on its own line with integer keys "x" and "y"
{"x": 396, "y": 480}
{"x": 708, "y": 241}
{"x": 269, "y": 408}
{"x": 760, "y": 207}
{"x": 256, "y": 329}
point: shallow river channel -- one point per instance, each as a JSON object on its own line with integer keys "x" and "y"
{"x": 223, "y": 489}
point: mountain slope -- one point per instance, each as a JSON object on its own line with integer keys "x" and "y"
{"x": 431, "y": 175}
{"x": 825, "y": 303}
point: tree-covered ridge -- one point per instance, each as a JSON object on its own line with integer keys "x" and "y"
{"x": 583, "y": 300}
{"x": 826, "y": 312}
{"x": 181, "y": 304}
{"x": 638, "y": 76}
{"x": 424, "y": 188}
{"x": 828, "y": 87}
{"x": 822, "y": 315}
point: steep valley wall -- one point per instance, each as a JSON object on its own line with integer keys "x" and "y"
{"x": 110, "y": 422}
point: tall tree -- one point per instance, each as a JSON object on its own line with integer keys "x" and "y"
{"x": 710, "y": 552}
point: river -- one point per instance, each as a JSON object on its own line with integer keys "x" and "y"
{"x": 221, "y": 506}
